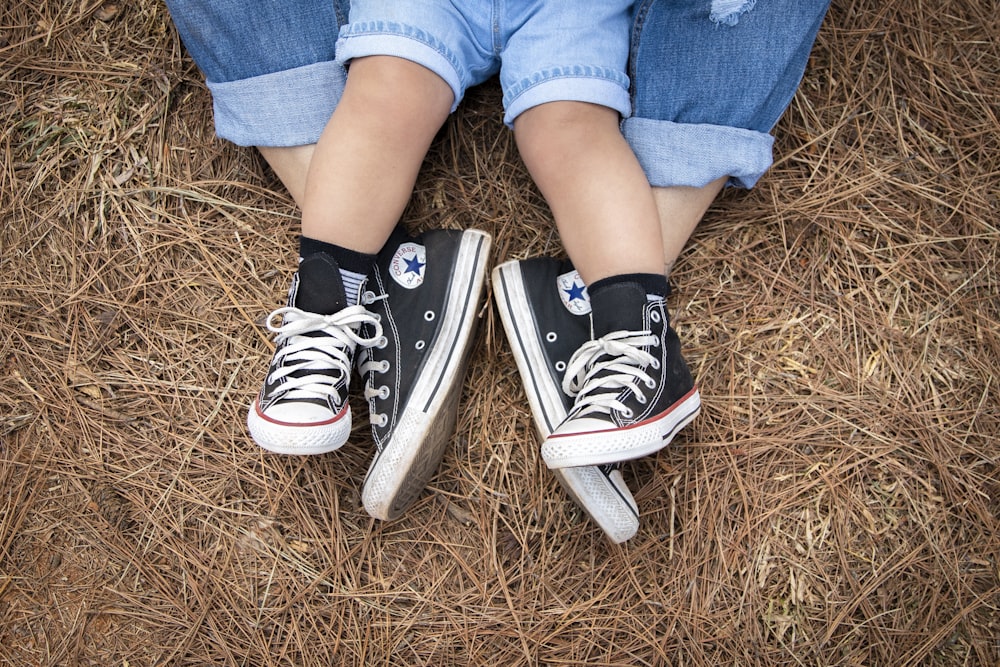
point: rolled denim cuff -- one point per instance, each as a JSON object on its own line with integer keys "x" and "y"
{"x": 694, "y": 155}
{"x": 596, "y": 85}
{"x": 261, "y": 110}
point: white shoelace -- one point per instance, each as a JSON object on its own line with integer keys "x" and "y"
{"x": 596, "y": 381}
{"x": 298, "y": 352}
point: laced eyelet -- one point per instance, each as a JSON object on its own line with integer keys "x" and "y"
{"x": 651, "y": 383}
{"x": 383, "y": 366}
{"x": 380, "y": 420}
{"x": 551, "y": 336}
{"x": 382, "y": 343}
{"x": 383, "y": 392}
{"x": 367, "y": 298}
{"x": 655, "y": 364}
{"x": 429, "y": 316}
{"x": 627, "y": 413}
{"x": 641, "y": 398}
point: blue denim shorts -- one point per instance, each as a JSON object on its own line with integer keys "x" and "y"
{"x": 269, "y": 65}
{"x": 710, "y": 78}
{"x": 543, "y": 51}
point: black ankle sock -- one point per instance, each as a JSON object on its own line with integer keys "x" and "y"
{"x": 347, "y": 259}
{"x": 618, "y": 303}
{"x": 655, "y": 284}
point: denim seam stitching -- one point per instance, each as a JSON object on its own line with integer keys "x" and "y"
{"x": 392, "y": 29}
{"x": 544, "y": 76}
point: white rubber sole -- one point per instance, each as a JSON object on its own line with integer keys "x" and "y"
{"x": 300, "y": 439}
{"x": 607, "y": 445}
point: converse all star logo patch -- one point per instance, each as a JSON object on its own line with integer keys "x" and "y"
{"x": 407, "y": 265}
{"x": 573, "y": 293}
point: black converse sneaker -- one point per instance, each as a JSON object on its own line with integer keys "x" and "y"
{"x": 632, "y": 390}
{"x": 545, "y": 311}
{"x": 425, "y": 293}
{"x": 302, "y": 408}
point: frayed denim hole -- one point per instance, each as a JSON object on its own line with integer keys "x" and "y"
{"x": 728, "y": 12}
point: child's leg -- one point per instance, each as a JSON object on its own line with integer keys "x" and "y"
{"x": 367, "y": 160}
{"x": 632, "y": 389}
{"x": 291, "y": 165}
{"x": 681, "y": 208}
{"x": 598, "y": 194}
{"x": 359, "y": 179}
{"x": 423, "y": 291}
{"x": 678, "y": 208}
{"x": 693, "y": 128}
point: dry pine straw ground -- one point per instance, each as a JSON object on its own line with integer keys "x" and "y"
{"x": 838, "y": 501}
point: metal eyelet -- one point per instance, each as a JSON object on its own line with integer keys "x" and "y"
{"x": 655, "y": 316}
{"x": 383, "y": 366}
{"x": 560, "y": 365}
{"x": 383, "y": 392}
{"x": 551, "y": 336}
{"x": 429, "y": 316}
{"x": 420, "y": 345}
{"x": 382, "y": 343}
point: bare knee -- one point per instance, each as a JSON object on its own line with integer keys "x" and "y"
{"x": 550, "y": 134}
{"x": 386, "y": 85}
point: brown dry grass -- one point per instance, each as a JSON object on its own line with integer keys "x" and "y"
{"x": 837, "y": 503}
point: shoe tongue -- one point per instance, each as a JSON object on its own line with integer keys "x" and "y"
{"x": 318, "y": 287}
{"x": 617, "y": 307}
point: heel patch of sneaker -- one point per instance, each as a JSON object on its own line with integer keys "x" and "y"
{"x": 408, "y": 264}
{"x": 573, "y": 293}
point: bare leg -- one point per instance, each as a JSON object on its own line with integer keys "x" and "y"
{"x": 599, "y": 196}
{"x": 366, "y": 162}
{"x": 290, "y": 164}
{"x": 681, "y": 209}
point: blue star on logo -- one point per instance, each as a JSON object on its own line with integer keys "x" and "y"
{"x": 575, "y": 292}
{"x": 413, "y": 264}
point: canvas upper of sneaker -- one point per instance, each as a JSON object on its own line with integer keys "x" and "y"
{"x": 633, "y": 368}
{"x": 425, "y": 291}
{"x": 632, "y": 389}
{"x": 603, "y": 372}
{"x": 422, "y": 299}
{"x": 409, "y": 292}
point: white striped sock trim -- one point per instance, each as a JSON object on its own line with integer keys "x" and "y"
{"x": 352, "y": 285}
